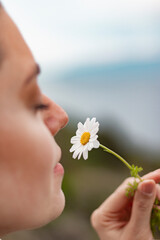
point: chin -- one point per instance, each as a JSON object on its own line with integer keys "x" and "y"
{"x": 39, "y": 217}
{"x": 58, "y": 206}
{"x": 47, "y": 215}
{"x": 55, "y": 211}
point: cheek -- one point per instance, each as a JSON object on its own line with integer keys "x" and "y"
{"x": 28, "y": 147}
{"x": 28, "y": 154}
{"x": 31, "y": 193}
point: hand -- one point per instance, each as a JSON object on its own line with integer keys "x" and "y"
{"x": 123, "y": 218}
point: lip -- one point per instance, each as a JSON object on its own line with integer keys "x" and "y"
{"x": 58, "y": 169}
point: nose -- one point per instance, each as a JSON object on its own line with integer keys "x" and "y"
{"x": 54, "y": 117}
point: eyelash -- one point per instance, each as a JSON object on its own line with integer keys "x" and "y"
{"x": 41, "y": 107}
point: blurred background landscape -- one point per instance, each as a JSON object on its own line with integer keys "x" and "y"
{"x": 99, "y": 58}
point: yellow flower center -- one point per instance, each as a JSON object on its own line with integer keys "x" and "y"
{"x": 85, "y": 138}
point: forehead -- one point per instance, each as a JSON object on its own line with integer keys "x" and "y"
{"x": 12, "y": 44}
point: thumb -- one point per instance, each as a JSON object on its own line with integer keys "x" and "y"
{"x": 142, "y": 204}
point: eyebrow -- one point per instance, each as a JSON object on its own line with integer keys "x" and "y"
{"x": 34, "y": 72}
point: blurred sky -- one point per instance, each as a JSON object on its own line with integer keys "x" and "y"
{"x": 74, "y": 31}
{"x": 103, "y": 57}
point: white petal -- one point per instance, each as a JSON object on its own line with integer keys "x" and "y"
{"x": 80, "y": 127}
{"x": 91, "y": 126}
{"x": 75, "y": 139}
{"x": 80, "y": 155}
{"x": 75, "y": 146}
{"x": 79, "y": 133}
{"x": 87, "y": 124}
{"x": 90, "y": 146}
{"x": 94, "y": 124}
{"x": 75, "y": 154}
{"x": 93, "y": 138}
{"x": 93, "y": 120}
{"x": 80, "y": 151}
{"x": 72, "y": 148}
{"x": 94, "y": 131}
{"x": 85, "y": 154}
{"x": 85, "y": 147}
{"x": 96, "y": 144}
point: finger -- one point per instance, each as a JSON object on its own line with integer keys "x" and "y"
{"x": 158, "y": 191}
{"x": 155, "y": 175}
{"x": 142, "y": 204}
{"x": 118, "y": 200}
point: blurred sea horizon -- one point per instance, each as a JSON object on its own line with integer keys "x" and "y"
{"x": 127, "y": 94}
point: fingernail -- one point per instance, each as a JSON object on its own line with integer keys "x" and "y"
{"x": 147, "y": 187}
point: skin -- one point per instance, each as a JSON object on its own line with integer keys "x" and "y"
{"x": 30, "y": 175}
{"x": 120, "y": 217}
{"x": 30, "y": 182}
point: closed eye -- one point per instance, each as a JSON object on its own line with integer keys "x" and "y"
{"x": 41, "y": 107}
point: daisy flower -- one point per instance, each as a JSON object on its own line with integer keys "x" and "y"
{"x": 85, "y": 139}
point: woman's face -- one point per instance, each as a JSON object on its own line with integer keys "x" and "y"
{"x": 30, "y": 175}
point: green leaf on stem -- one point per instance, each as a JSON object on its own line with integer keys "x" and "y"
{"x": 132, "y": 187}
{"x": 135, "y": 170}
{"x": 155, "y": 219}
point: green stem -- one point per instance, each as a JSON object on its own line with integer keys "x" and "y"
{"x": 119, "y": 157}
{"x": 116, "y": 155}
